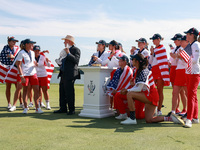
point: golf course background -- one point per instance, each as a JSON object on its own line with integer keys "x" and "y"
{"x": 51, "y": 131}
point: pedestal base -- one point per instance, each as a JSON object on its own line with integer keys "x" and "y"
{"x": 93, "y": 111}
{"x": 96, "y": 101}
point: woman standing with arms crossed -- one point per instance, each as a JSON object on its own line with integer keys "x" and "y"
{"x": 160, "y": 70}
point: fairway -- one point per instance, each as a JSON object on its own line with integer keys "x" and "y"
{"x": 50, "y": 131}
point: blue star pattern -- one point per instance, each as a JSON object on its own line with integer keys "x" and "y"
{"x": 114, "y": 82}
{"x": 3, "y": 56}
{"x": 142, "y": 77}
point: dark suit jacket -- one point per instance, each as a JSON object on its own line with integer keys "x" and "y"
{"x": 70, "y": 70}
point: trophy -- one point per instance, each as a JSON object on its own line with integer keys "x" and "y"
{"x": 63, "y": 54}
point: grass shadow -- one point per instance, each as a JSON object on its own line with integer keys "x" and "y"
{"x": 84, "y": 122}
{"x": 47, "y": 115}
{"x": 112, "y": 123}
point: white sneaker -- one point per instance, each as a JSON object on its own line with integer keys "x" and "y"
{"x": 48, "y": 106}
{"x": 9, "y": 106}
{"x": 129, "y": 121}
{"x": 21, "y": 106}
{"x": 42, "y": 105}
{"x": 30, "y": 104}
{"x": 175, "y": 119}
{"x": 188, "y": 123}
{"x": 25, "y": 111}
{"x": 195, "y": 121}
{"x": 121, "y": 116}
{"x": 13, "y": 108}
{"x": 159, "y": 113}
{"x": 39, "y": 111}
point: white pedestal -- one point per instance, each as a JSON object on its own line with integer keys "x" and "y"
{"x": 96, "y": 102}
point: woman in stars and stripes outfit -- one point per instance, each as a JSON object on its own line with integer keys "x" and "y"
{"x": 144, "y": 91}
{"x": 6, "y": 57}
{"x": 159, "y": 62}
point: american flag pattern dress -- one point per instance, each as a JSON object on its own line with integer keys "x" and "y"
{"x": 145, "y": 77}
{"x": 6, "y": 63}
{"x": 161, "y": 56}
{"x": 120, "y": 80}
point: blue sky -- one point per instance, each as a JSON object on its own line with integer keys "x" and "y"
{"x": 91, "y": 20}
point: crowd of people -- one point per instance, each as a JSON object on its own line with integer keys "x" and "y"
{"x": 132, "y": 85}
{"x": 28, "y": 68}
{"x": 29, "y": 63}
{"x": 135, "y": 87}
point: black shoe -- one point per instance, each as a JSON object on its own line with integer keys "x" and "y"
{"x": 71, "y": 113}
{"x": 169, "y": 114}
{"x": 59, "y": 111}
{"x": 184, "y": 117}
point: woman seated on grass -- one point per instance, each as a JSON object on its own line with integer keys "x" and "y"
{"x": 144, "y": 90}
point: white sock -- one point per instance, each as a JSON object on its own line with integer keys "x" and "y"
{"x": 173, "y": 111}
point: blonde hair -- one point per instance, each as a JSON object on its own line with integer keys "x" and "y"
{"x": 22, "y": 46}
{"x": 122, "y": 50}
{"x": 198, "y": 39}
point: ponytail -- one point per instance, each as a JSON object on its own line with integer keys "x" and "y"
{"x": 143, "y": 62}
{"x": 8, "y": 39}
{"x": 199, "y": 38}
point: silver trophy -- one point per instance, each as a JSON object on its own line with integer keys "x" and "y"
{"x": 63, "y": 54}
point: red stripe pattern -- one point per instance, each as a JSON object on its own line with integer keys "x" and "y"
{"x": 188, "y": 60}
{"x": 189, "y": 66}
{"x": 185, "y": 56}
{"x": 11, "y": 76}
{"x": 161, "y": 56}
{"x": 124, "y": 81}
{"x": 49, "y": 73}
{"x": 151, "y": 80}
{"x": 3, "y": 72}
{"x": 16, "y": 49}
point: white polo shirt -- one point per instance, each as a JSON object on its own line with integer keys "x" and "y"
{"x": 144, "y": 52}
{"x": 195, "y": 58}
{"x": 103, "y": 57}
{"x": 114, "y": 61}
{"x": 153, "y": 60}
{"x": 28, "y": 67}
{"x": 41, "y": 70}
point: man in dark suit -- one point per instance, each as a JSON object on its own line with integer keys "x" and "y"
{"x": 68, "y": 73}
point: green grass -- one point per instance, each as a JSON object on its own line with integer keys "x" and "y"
{"x": 59, "y": 131}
